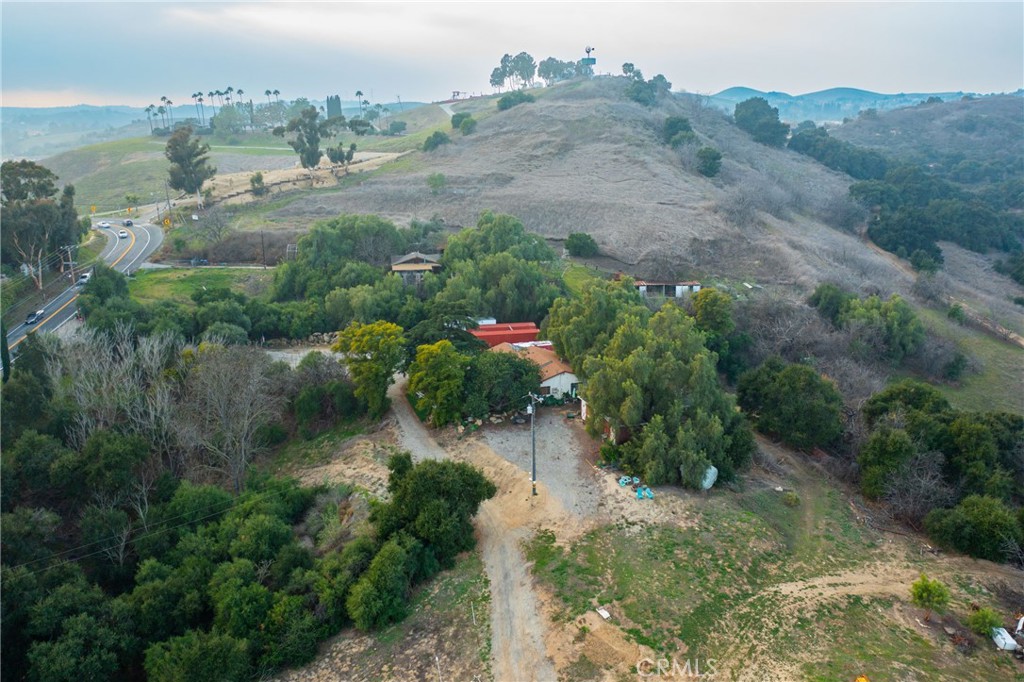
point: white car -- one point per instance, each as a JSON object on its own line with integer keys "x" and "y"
{"x": 35, "y": 317}
{"x": 123, "y": 234}
{"x": 104, "y": 224}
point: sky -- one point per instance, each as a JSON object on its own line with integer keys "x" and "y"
{"x": 124, "y": 53}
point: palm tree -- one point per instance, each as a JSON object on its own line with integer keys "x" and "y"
{"x": 277, "y": 99}
{"x": 387, "y": 116}
{"x": 149, "y": 117}
{"x": 240, "y": 92}
{"x": 267, "y": 93}
{"x": 202, "y": 109}
{"x": 228, "y": 92}
{"x": 213, "y": 102}
{"x": 359, "y": 99}
{"x": 170, "y": 111}
{"x": 276, "y": 93}
{"x": 195, "y": 100}
{"x": 161, "y": 110}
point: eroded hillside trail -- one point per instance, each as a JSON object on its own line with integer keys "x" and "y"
{"x": 517, "y": 629}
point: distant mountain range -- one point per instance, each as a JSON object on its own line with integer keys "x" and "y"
{"x": 833, "y": 104}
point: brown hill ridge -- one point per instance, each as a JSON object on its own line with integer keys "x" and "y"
{"x": 583, "y": 158}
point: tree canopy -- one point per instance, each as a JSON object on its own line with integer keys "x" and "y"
{"x": 190, "y": 166}
{"x": 761, "y": 121}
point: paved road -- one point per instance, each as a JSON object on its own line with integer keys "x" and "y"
{"x": 123, "y": 254}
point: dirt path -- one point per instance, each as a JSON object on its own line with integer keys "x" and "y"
{"x": 517, "y": 629}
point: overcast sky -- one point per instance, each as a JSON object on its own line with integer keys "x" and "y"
{"x": 133, "y": 53}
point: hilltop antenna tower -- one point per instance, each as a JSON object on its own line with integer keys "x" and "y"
{"x": 589, "y": 61}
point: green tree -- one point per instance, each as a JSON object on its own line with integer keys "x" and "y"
{"x": 581, "y": 245}
{"x": 468, "y": 126}
{"x": 190, "y": 163}
{"x": 379, "y": 598}
{"x": 256, "y": 182}
{"x": 459, "y": 117}
{"x": 983, "y": 620}
{"x": 761, "y": 121}
{"x": 200, "y": 657}
{"x": 35, "y": 223}
{"x": 435, "y": 140}
{"x": 885, "y": 453}
{"x": 581, "y": 327}
{"x": 930, "y": 595}
{"x": 434, "y": 502}
{"x": 497, "y": 382}
{"x": 980, "y": 526}
{"x": 309, "y": 131}
{"x": 709, "y": 161}
{"x": 436, "y": 378}
{"x": 552, "y": 70}
{"x": 792, "y": 401}
{"x": 713, "y": 310}
{"x": 373, "y": 353}
{"x": 86, "y": 649}
{"x": 673, "y": 126}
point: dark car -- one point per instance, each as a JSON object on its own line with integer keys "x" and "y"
{"x": 127, "y": 223}
{"x": 37, "y": 316}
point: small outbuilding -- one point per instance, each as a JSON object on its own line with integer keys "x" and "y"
{"x": 412, "y": 266}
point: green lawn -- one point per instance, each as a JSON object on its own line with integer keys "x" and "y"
{"x": 174, "y": 284}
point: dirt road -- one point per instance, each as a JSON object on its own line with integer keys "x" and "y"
{"x": 517, "y": 629}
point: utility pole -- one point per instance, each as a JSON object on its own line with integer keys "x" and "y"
{"x": 167, "y": 193}
{"x": 532, "y": 409}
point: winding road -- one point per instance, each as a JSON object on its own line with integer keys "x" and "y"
{"x": 124, "y": 255}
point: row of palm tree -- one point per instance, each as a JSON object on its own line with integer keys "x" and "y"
{"x": 166, "y": 115}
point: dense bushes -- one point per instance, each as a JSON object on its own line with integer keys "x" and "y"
{"x": 435, "y": 140}
{"x": 957, "y": 472}
{"x": 915, "y": 209}
{"x": 581, "y": 245}
{"x": 793, "y": 402}
{"x": 651, "y": 376}
{"x": 761, "y": 121}
{"x": 861, "y": 164}
{"x": 514, "y": 98}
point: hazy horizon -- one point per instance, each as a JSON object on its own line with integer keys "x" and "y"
{"x": 110, "y": 54}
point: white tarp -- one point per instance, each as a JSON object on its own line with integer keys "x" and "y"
{"x": 1003, "y": 639}
{"x": 710, "y": 476}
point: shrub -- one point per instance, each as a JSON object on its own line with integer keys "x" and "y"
{"x": 514, "y": 99}
{"x": 674, "y": 125}
{"x": 468, "y": 126}
{"x": 436, "y": 139}
{"x": 581, "y": 245}
{"x": 458, "y": 118}
{"x": 980, "y": 526}
{"x": 256, "y": 181}
{"x": 791, "y": 499}
{"x": 709, "y": 161}
{"x": 436, "y": 182}
{"x": 930, "y": 595}
{"x": 982, "y": 621}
